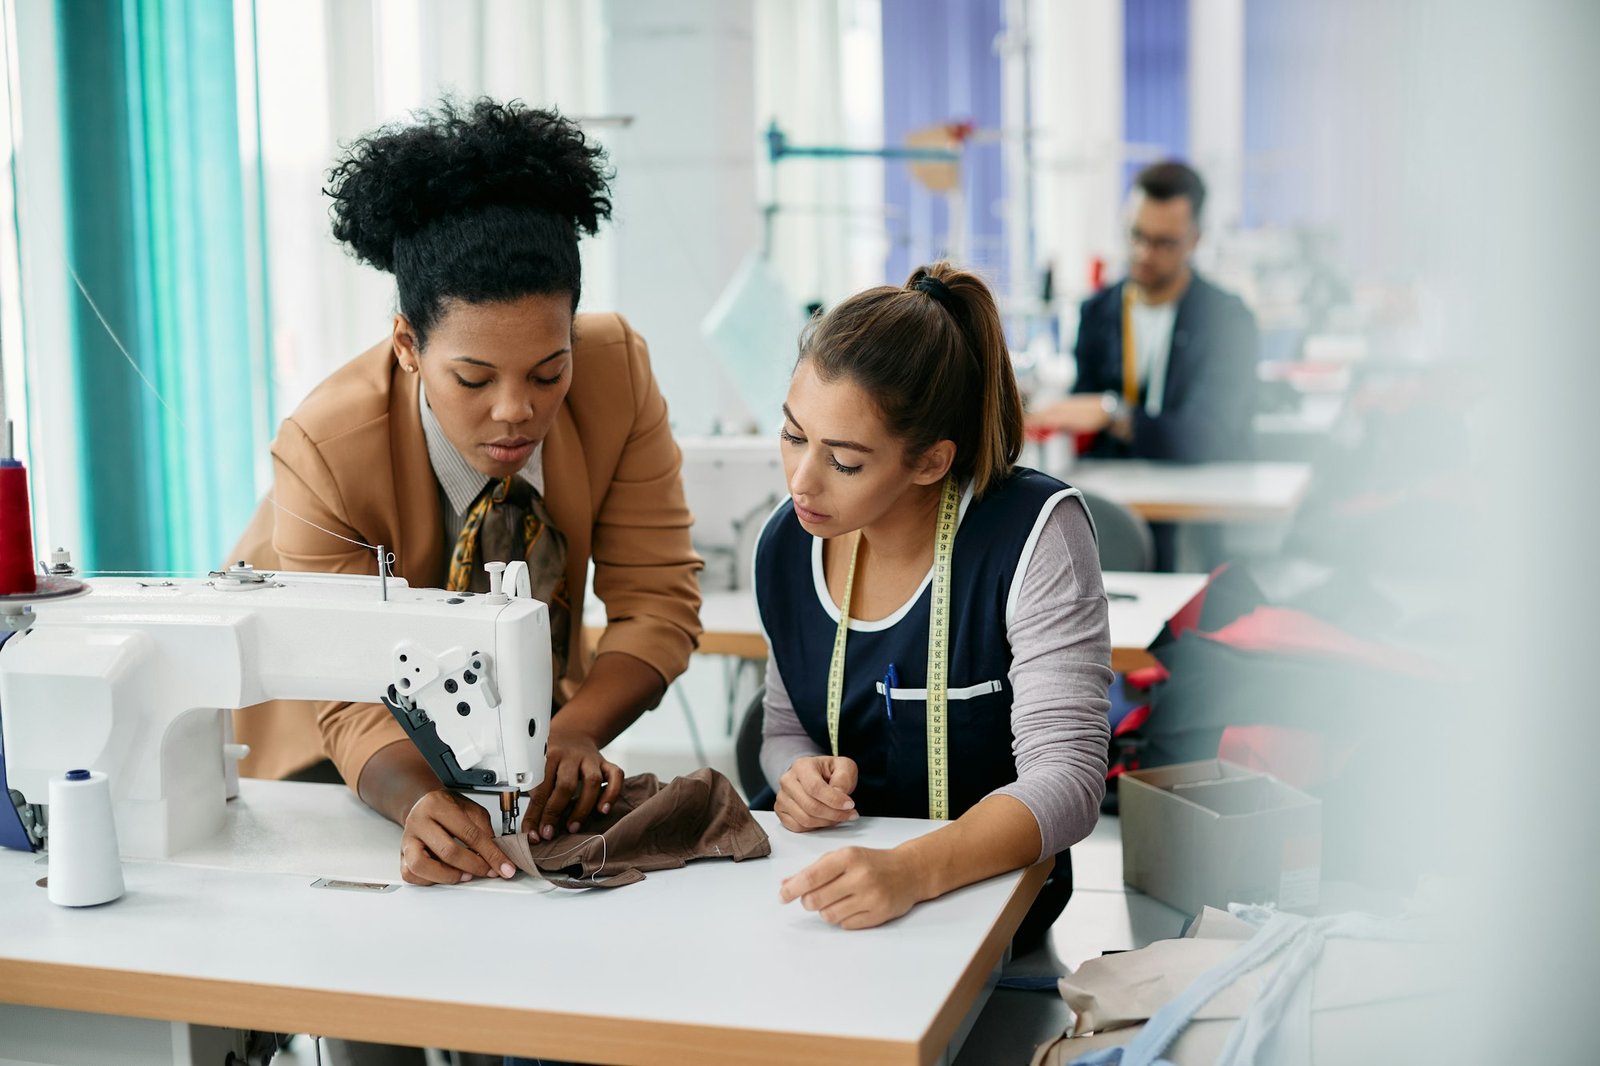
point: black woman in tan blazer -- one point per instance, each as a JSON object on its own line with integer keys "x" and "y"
{"x": 490, "y": 399}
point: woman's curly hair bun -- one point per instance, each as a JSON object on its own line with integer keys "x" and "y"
{"x": 456, "y": 158}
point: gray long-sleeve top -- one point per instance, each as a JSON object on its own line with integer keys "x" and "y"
{"x": 1060, "y": 671}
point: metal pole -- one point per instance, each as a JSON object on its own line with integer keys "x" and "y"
{"x": 1016, "y": 124}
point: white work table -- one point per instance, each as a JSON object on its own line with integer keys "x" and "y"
{"x": 732, "y": 626}
{"x": 1195, "y": 492}
{"x": 700, "y": 964}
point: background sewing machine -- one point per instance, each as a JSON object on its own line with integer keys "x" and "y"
{"x": 136, "y": 678}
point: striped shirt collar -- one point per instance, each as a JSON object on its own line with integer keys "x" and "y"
{"x": 460, "y": 482}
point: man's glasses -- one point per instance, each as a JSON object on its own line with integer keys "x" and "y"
{"x": 1165, "y": 245}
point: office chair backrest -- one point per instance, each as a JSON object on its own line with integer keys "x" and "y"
{"x": 1125, "y": 539}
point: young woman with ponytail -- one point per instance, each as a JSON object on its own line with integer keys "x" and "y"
{"x": 902, "y": 423}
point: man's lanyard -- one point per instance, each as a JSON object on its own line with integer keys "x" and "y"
{"x": 944, "y": 541}
{"x": 1130, "y": 356}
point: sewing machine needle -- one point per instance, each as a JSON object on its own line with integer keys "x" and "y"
{"x": 508, "y": 812}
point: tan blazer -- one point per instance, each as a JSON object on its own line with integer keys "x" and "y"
{"x": 353, "y": 459}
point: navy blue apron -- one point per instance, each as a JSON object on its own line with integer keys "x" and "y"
{"x": 883, "y": 727}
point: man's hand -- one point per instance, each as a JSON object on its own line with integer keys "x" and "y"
{"x": 1084, "y": 413}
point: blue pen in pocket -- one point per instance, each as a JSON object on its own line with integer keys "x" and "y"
{"x": 891, "y": 681}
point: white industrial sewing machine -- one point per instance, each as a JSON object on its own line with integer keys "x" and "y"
{"x": 135, "y": 678}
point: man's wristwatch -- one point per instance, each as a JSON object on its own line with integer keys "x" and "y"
{"x": 1112, "y": 403}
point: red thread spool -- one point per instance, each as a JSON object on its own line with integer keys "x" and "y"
{"x": 17, "y": 574}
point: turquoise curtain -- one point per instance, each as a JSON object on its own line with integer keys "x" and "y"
{"x": 169, "y": 248}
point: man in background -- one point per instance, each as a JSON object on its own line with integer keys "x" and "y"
{"x": 1166, "y": 360}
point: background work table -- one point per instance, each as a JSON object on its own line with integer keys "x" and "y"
{"x": 1230, "y": 492}
{"x": 732, "y": 626}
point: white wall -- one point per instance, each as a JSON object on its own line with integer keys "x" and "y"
{"x": 1216, "y": 105}
{"x": 819, "y": 74}
{"x": 332, "y": 70}
{"x": 670, "y": 88}
{"x": 1077, "y": 72}
{"x": 685, "y": 185}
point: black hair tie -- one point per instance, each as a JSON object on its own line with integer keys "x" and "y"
{"x": 938, "y": 290}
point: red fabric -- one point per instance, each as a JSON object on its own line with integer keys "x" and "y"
{"x": 1145, "y": 677}
{"x": 1274, "y": 629}
{"x": 1298, "y": 757}
{"x": 1188, "y": 616}
{"x": 1294, "y": 756}
{"x": 1097, "y": 273}
{"x": 1132, "y": 720}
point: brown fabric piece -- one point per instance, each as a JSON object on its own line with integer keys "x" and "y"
{"x": 652, "y": 827}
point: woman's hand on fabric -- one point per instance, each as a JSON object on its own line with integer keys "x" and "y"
{"x": 814, "y": 793}
{"x": 857, "y": 888}
{"x": 577, "y": 782}
{"x": 447, "y": 839}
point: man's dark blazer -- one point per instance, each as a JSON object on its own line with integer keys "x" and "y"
{"x": 1211, "y": 388}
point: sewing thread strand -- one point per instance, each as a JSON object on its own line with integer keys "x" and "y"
{"x": 118, "y": 342}
{"x": 83, "y": 289}
{"x": 580, "y": 846}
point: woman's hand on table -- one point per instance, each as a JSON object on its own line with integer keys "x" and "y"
{"x": 857, "y": 888}
{"x": 814, "y": 793}
{"x": 447, "y": 839}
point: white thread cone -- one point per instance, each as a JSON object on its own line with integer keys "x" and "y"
{"x": 84, "y": 866}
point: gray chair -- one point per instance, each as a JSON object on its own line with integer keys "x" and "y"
{"x": 1126, "y": 542}
{"x": 747, "y": 748}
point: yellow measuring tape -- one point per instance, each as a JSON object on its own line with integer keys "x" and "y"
{"x": 1130, "y": 354}
{"x": 944, "y": 542}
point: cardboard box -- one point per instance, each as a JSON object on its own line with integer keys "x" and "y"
{"x": 1212, "y": 833}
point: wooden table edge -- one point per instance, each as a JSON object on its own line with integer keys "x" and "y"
{"x": 1125, "y": 660}
{"x": 1210, "y": 512}
{"x": 743, "y": 645}
{"x": 430, "y": 1023}
{"x": 961, "y": 998}
{"x": 713, "y": 642}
